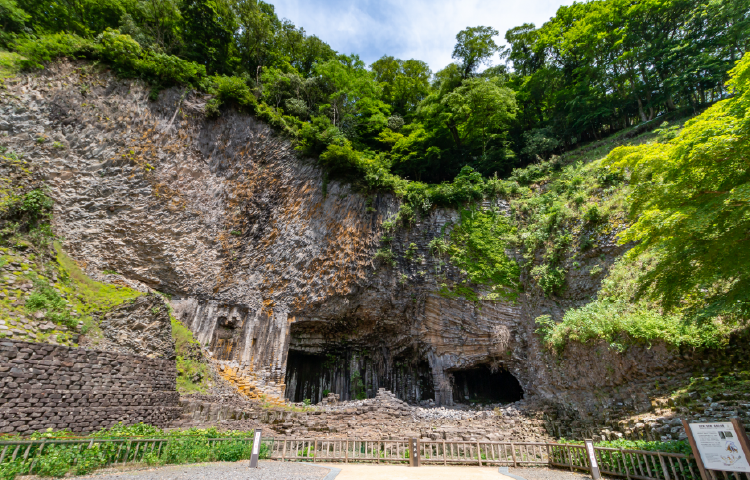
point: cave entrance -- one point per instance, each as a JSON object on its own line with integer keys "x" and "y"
{"x": 307, "y": 376}
{"x": 482, "y": 385}
{"x": 357, "y": 374}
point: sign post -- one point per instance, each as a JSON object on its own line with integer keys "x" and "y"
{"x": 595, "y": 474}
{"x": 413, "y": 452}
{"x": 719, "y": 446}
{"x": 256, "y": 449}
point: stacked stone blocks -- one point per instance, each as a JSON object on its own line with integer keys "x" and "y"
{"x": 51, "y": 386}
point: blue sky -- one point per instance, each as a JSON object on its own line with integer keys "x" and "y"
{"x": 421, "y": 29}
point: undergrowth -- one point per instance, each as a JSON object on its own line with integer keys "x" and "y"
{"x": 192, "y": 372}
{"x": 182, "y": 446}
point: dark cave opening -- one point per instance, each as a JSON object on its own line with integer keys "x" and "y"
{"x": 482, "y": 385}
{"x": 307, "y": 376}
{"x": 357, "y": 374}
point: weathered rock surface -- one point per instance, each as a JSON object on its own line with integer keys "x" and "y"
{"x": 264, "y": 266}
{"x": 140, "y": 327}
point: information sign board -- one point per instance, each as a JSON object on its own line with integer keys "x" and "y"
{"x": 256, "y": 449}
{"x": 592, "y": 460}
{"x": 719, "y": 447}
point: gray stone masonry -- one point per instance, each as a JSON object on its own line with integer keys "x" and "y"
{"x": 53, "y": 386}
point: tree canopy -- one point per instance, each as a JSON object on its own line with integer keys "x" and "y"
{"x": 691, "y": 204}
{"x": 591, "y": 70}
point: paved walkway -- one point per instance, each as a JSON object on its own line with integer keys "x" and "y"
{"x": 351, "y": 471}
{"x": 268, "y": 470}
{"x": 272, "y": 470}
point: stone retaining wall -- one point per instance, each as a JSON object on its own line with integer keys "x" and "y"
{"x": 52, "y": 386}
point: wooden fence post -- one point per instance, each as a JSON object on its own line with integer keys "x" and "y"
{"x": 570, "y": 456}
{"x": 413, "y": 452}
{"x": 741, "y": 437}
{"x": 256, "y": 449}
{"x": 694, "y": 447}
{"x": 513, "y": 453}
{"x": 479, "y": 454}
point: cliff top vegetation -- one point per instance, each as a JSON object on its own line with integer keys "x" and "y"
{"x": 527, "y": 128}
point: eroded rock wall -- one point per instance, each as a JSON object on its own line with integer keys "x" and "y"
{"x": 223, "y": 215}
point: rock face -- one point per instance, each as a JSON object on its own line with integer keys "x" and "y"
{"x": 139, "y": 328}
{"x": 384, "y": 416}
{"x": 275, "y": 274}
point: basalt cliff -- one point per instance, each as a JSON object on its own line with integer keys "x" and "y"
{"x": 273, "y": 268}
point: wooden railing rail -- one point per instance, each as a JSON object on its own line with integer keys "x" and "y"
{"x": 613, "y": 462}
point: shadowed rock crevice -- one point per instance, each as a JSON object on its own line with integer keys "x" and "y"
{"x": 354, "y": 361}
{"x": 483, "y": 385}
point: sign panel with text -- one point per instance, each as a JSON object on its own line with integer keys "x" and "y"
{"x": 719, "y": 447}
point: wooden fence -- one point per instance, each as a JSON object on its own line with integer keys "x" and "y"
{"x": 630, "y": 464}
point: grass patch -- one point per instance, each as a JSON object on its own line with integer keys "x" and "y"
{"x": 10, "y": 64}
{"x": 192, "y": 373}
{"x": 92, "y": 295}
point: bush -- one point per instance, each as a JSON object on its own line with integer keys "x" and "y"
{"x": 342, "y": 161}
{"x": 121, "y": 50}
{"x": 550, "y": 278}
{"x": 165, "y": 70}
{"x": 620, "y": 323}
{"x": 593, "y": 215}
{"x": 540, "y": 143}
{"x": 50, "y": 47}
{"x": 235, "y": 92}
{"x": 46, "y": 298}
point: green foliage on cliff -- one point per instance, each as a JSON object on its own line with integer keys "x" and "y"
{"x": 192, "y": 372}
{"x": 685, "y": 280}
{"x": 441, "y": 139}
{"x": 478, "y": 247}
{"x": 593, "y": 69}
{"x": 690, "y": 202}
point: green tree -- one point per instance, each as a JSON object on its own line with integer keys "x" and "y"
{"x": 479, "y": 111}
{"x": 12, "y": 19}
{"x": 405, "y": 83}
{"x": 208, "y": 26}
{"x": 691, "y": 205}
{"x": 474, "y": 46}
{"x": 353, "y": 97}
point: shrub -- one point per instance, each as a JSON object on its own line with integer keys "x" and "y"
{"x": 50, "y": 47}
{"x": 620, "y": 323}
{"x": 46, "y": 298}
{"x": 386, "y": 256}
{"x": 438, "y": 246}
{"x": 234, "y": 91}
{"x": 166, "y": 70}
{"x": 342, "y": 161}
{"x": 549, "y": 277}
{"x": 120, "y": 50}
{"x": 593, "y": 215}
{"x": 540, "y": 143}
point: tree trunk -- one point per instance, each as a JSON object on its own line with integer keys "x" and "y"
{"x": 454, "y": 133}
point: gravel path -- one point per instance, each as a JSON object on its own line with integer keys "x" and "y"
{"x": 544, "y": 473}
{"x": 267, "y": 470}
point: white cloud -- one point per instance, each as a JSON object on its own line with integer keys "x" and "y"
{"x": 420, "y": 29}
